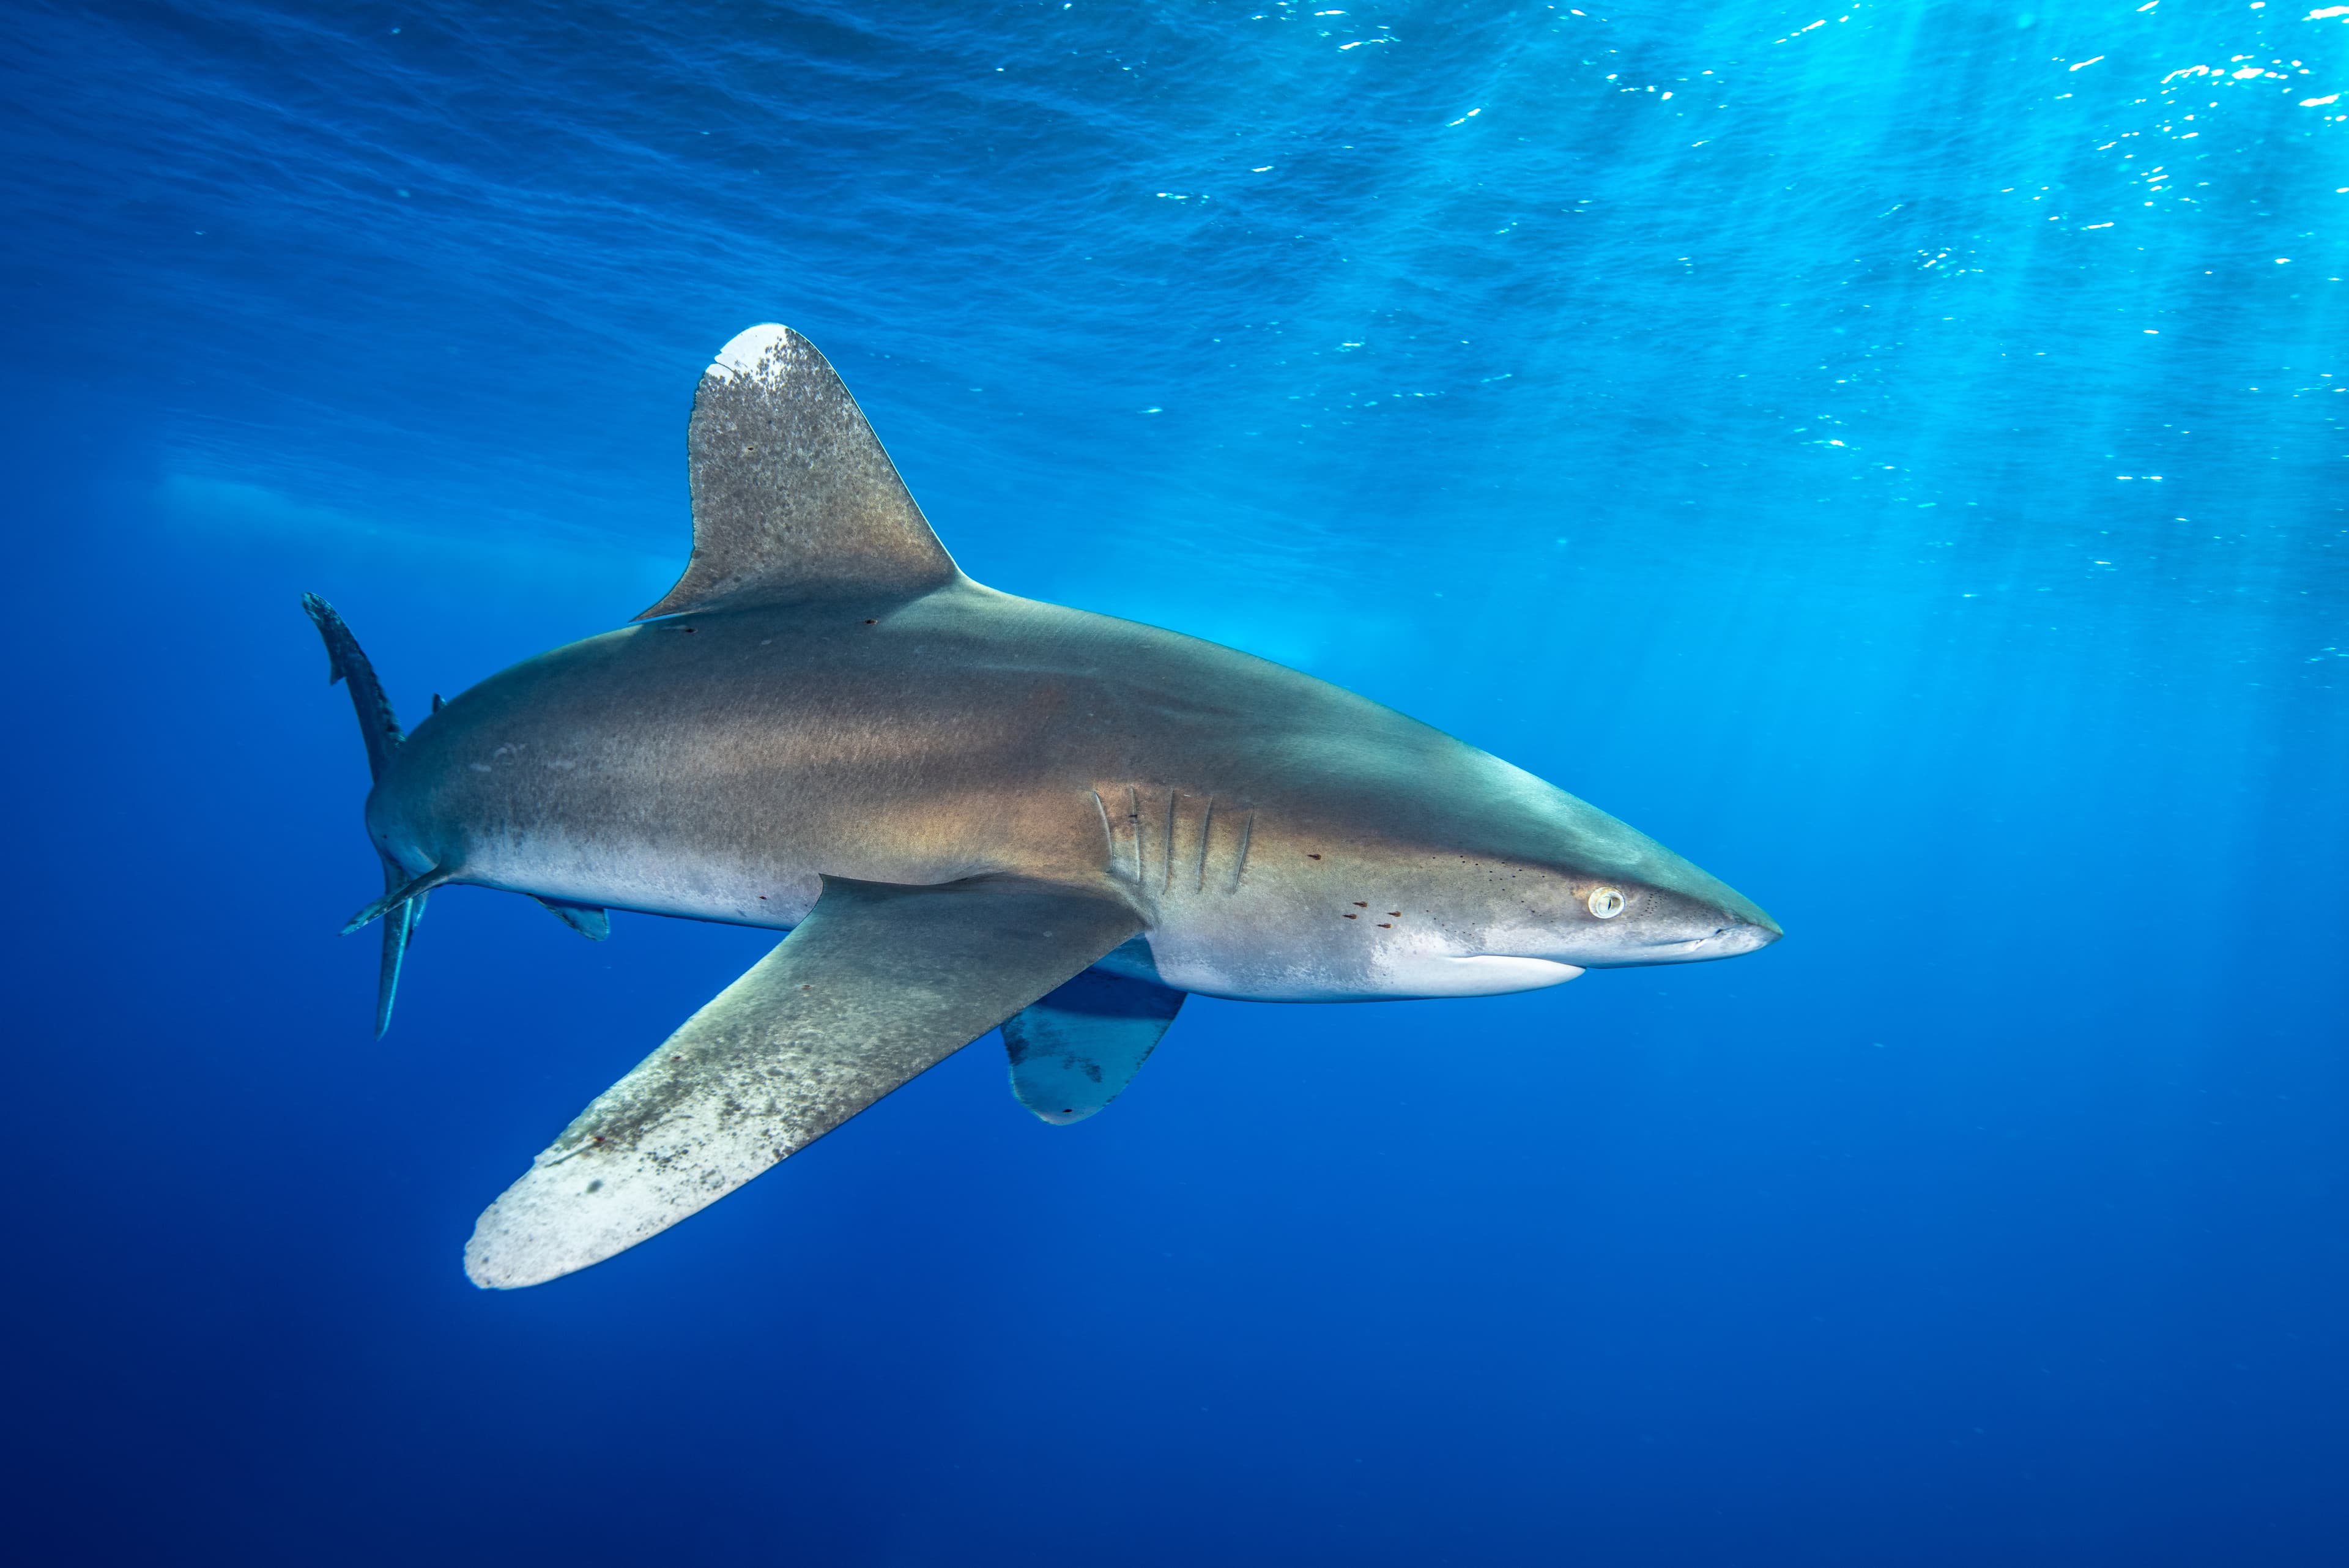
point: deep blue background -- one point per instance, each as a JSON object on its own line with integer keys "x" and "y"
{"x": 1773, "y": 463}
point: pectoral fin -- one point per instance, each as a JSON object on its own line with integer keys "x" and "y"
{"x": 1074, "y": 1051}
{"x": 877, "y": 986}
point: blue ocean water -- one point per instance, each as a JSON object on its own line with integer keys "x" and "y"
{"x": 1892, "y": 454}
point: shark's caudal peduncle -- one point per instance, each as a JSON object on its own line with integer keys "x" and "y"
{"x": 969, "y": 810}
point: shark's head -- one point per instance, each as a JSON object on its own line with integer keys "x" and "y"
{"x": 1488, "y": 879}
{"x": 1522, "y": 923}
{"x": 1591, "y": 892}
{"x": 1606, "y": 895}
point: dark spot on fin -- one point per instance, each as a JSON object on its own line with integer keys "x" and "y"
{"x": 438, "y": 703}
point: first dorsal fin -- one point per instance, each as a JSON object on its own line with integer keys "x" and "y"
{"x": 793, "y": 498}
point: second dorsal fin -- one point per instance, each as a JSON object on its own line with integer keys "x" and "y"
{"x": 793, "y": 498}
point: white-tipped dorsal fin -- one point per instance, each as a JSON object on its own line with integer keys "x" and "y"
{"x": 793, "y": 498}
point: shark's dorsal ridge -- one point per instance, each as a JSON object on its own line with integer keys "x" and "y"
{"x": 793, "y": 498}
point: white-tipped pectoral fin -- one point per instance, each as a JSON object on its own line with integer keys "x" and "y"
{"x": 877, "y": 986}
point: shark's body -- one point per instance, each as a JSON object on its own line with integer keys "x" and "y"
{"x": 970, "y": 809}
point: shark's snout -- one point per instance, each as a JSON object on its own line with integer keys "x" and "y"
{"x": 1727, "y": 940}
{"x": 1742, "y": 936}
{"x": 1653, "y": 924}
{"x": 1733, "y": 929}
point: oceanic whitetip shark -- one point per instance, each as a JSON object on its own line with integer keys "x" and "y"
{"x": 969, "y": 811}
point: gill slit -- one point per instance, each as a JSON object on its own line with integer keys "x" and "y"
{"x": 1167, "y": 872}
{"x": 1247, "y": 832}
{"x": 1109, "y": 839}
{"x": 1134, "y": 822}
{"x": 1206, "y": 828}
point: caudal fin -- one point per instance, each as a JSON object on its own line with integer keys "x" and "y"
{"x": 345, "y": 662}
{"x": 379, "y": 729}
{"x": 397, "y": 926}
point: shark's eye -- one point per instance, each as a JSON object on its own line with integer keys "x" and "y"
{"x": 1605, "y": 902}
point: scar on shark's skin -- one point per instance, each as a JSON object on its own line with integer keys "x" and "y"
{"x": 935, "y": 890}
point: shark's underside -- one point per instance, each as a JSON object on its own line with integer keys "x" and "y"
{"x": 969, "y": 811}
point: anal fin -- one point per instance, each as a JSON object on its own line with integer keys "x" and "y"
{"x": 1074, "y": 1051}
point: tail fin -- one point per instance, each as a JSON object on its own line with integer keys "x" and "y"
{"x": 397, "y": 926}
{"x": 345, "y": 662}
{"x": 380, "y": 730}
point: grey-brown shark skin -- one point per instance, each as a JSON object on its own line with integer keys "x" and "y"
{"x": 1280, "y": 838}
{"x": 957, "y": 801}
